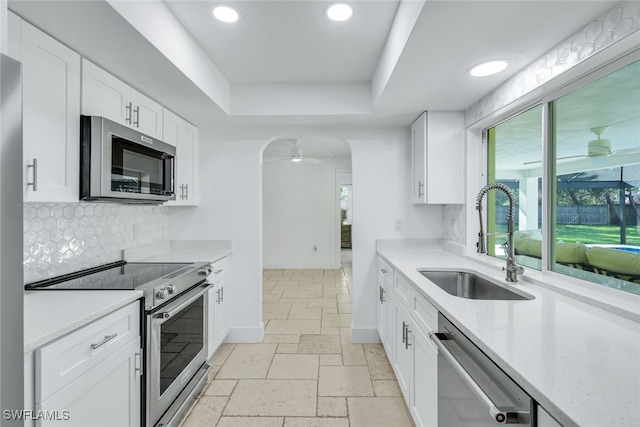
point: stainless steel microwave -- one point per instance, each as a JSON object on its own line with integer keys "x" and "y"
{"x": 122, "y": 165}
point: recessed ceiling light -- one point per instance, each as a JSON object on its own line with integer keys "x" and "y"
{"x": 339, "y": 12}
{"x": 488, "y": 68}
{"x": 225, "y": 14}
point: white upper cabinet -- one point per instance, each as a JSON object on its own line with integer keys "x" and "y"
{"x": 107, "y": 96}
{"x": 437, "y": 139}
{"x": 51, "y": 114}
{"x": 184, "y": 136}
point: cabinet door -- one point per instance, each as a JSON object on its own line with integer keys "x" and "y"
{"x": 403, "y": 351}
{"x": 424, "y": 381}
{"x": 184, "y": 136}
{"x": 445, "y": 148}
{"x": 419, "y": 159}
{"x": 146, "y": 114}
{"x": 437, "y": 149}
{"x": 382, "y": 311}
{"x": 221, "y": 323}
{"x": 51, "y": 111}
{"x": 107, "y": 395}
{"x": 105, "y": 95}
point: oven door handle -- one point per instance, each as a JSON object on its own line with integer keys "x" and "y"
{"x": 500, "y": 414}
{"x": 163, "y": 315}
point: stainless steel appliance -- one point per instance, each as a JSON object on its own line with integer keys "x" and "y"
{"x": 472, "y": 390}
{"x": 175, "y": 319}
{"x": 119, "y": 164}
{"x": 11, "y": 188}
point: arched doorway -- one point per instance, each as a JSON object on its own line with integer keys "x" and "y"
{"x": 307, "y": 272}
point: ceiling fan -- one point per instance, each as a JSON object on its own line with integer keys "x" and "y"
{"x": 296, "y": 155}
{"x": 598, "y": 147}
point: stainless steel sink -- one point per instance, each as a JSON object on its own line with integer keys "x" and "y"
{"x": 465, "y": 284}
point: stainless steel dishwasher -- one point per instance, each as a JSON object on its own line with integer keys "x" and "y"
{"x": 472, "y": 390}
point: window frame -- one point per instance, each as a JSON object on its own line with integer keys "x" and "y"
{"x": 477, "y": 144}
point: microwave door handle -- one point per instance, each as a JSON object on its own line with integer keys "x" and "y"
{"x": 169, "y": 175}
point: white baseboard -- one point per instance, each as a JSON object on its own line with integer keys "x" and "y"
{"x": 364, "y": 335}
{"x": 245, "y": 335}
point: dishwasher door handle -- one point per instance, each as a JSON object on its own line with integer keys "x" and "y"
{"x": 500, "y": 414}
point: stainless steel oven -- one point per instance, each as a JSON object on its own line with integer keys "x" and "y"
{"x": 176, "y": 355}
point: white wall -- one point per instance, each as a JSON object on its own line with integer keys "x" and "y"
{"x": 300, "y": 207}
{"x": 231, "y": 208}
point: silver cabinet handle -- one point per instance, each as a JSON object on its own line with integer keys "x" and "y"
{"x": 136, "y": 121}
{"x": 222, "y": 294}
{"x": 186, "y": 191}
{"x": 382, "y": 291}
{"x": 384, "y": 270}
{"x": 138, "y": 363}
{"x": 104, "y": 341}
{"x": 218, "y": 271}
{"x": 34, "y": 183}
{"x": 404, "y": 332}
{"x": 128, "y": 111}
{"x": 420, "y": 187}
{"x": 407, "y": 344}
{"x": 500, "y": 415}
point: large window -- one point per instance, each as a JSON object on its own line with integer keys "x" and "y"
{"x": 593, "y": 176}
{"x": 515, "y": 153}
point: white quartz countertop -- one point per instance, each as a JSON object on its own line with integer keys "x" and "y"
{"x": 580, "y": 362}
{"x": 180, "y": 251}
{"x": 48, "y": 315}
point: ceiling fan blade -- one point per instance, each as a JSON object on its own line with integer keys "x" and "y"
{"x": 311, "y": 160}
{"x": 558, "y": 159}
{"x": 273, "y": 160}
{"x": 627, "y": 150}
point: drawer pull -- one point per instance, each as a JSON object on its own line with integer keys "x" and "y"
{"x": 218, "y": 271}
{"x": 384, "y": 270}
{"x": 104, "y": 341}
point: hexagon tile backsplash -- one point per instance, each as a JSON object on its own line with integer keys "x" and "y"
{"x": 67, "y": 237}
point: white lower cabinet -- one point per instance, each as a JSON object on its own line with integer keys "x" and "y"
{"x": 91, "y": 376}
{"x": 106, "y": 395}
{"x": 385, "y": 304}
{"x": 218, "y": 327}
{"x": 404, "y": 351}
{"x": 409, "y": 318}
{"x": 424, "y": 381}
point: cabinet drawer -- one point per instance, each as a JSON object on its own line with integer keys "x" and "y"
{"x": 219, "y": 269}
{"x": 404, "y": 292}
{"x": 69, "y": 357}
{"x": 425, "y": 315}
{"x": 385, "y": 271}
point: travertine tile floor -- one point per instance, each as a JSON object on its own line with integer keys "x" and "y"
{"x": 306, "y": 372}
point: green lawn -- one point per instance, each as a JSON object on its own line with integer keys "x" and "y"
{"x": 603, "y": 234}
{"x": 592, "y": 234}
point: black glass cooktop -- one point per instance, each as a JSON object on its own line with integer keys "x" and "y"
{"x": 116, "y": 276}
